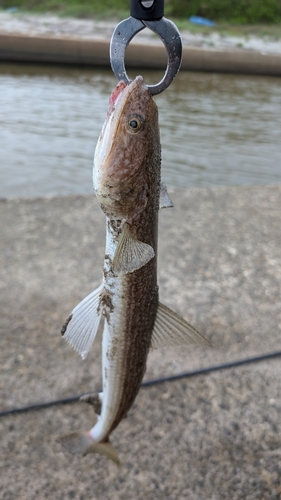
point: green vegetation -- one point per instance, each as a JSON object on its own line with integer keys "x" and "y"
{"x": 238, "y": 12}
{"x": 76, "y": 8}
{"x": 234, "y": 11}
{"x": 230, "y": 29}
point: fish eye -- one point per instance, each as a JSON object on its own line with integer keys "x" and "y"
{"x": 135, "y": 124}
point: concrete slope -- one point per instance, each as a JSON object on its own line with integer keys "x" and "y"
{"x": 211, "y": 437}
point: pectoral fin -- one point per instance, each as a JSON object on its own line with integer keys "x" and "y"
{"x": 130, "y": 254}
{"x": 82, "y": 442}
{"x": 81, "y": 327}
{"x": 170, "y": 329}
{"x": 165, "y": 200}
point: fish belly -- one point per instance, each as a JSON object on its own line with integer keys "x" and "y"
{"x": 125, "y": 346}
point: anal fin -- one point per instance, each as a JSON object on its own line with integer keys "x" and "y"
{"x": 170, "y": 329}
{"x": 130, "y": 254}
{"x": 82, "y": 325}
{"x": 94, "y": 400}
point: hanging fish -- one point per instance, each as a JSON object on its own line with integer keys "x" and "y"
{"x": 127, "y": 184}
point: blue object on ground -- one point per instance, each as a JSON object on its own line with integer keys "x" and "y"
{"x": 201, "y": 20}
{"x": 12, "y": 9}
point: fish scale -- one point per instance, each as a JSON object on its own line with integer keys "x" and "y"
{"x": 134, "y": 320}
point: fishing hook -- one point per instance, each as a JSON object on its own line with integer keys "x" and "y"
{"x": 146, "y": 14}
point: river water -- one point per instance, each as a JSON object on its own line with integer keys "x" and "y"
{"x": 215, "y": 129}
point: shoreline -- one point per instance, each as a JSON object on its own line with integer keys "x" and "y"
{"x": 49, "y": 39}
{"x": 81, "y": 52}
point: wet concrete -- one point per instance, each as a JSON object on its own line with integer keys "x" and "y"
{"x": 212, "y": 437}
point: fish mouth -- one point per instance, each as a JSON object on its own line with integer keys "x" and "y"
{"x": 117, "y": 101}
{"x": 121, "y": 93}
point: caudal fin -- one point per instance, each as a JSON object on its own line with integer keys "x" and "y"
{"x": 82, "y": 442}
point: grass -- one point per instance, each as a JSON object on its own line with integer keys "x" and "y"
{"x": 94, "y": 9}
{"x": 229, "y": 29}
{"x": 75, "y": 8}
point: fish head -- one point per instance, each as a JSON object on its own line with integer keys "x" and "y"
{"x": 127, "y": 155}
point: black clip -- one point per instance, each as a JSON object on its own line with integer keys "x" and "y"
{"x": 164, "y": 28}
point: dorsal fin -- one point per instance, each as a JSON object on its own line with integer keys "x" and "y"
{"x": 165, "y": 200}
{"x": 170, "y": 329}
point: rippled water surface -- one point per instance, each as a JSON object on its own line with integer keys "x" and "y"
{"x": 215, "y": 129}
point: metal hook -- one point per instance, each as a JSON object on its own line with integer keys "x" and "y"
{"x": 167, "y": 32}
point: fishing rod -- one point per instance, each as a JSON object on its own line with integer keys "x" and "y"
{"x": 150, "y": 383}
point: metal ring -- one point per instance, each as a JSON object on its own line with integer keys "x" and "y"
{"x": 167, "y": 32}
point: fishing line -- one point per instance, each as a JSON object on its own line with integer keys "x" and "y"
{"x": 149, "y": 383}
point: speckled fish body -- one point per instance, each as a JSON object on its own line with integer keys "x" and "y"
{"x": 127, "y": 184}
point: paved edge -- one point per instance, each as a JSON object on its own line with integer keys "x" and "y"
{"x": 95, "y": 52}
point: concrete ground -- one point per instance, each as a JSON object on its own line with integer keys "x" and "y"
{"x": 210, "y": 437}
{"x": 65, "y": 40}
{"x": 49, "y": 25}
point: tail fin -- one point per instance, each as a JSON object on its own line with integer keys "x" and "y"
{"x": 82, "y": 442}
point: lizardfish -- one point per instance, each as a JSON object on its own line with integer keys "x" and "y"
{"x": 127, "y": 184}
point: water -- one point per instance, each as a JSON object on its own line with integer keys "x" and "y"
{"x": 215, "y": 129}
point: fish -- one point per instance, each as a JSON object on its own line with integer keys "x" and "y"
{"x": 127, "y": 184}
